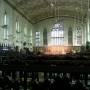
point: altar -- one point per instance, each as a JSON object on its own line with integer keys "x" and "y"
{"x": 56, "y": 50}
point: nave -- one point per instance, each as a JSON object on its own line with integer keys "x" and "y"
{"x": 22, "y": 80}
{"x": 44, "y": 44}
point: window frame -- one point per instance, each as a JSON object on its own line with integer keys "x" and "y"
{"x": 57, "y": 34}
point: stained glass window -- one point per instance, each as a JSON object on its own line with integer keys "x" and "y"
{"x": 57, "y": 35}
{"x": 37, "y": 38}
{"x": 78, "y": 36}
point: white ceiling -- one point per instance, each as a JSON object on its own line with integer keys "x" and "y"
{"x": 38, "y": 10}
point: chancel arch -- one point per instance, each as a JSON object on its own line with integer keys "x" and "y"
{"x": 62, "y": 37}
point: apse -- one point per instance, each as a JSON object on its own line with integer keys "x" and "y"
{"x": 55, "y": 50}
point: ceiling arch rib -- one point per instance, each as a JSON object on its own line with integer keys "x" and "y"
{"x": 38, "y": 10}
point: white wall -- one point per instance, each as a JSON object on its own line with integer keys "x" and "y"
{"x": 12, "y": 15}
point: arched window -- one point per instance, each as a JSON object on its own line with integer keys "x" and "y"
{"x": 57, "y": 35}
{"x": 37, "y": 36}
{"x": 25, "y": 33}
{"x": 17, "y": 30}
{"x": 78, "y": 36}
{"x": 5, "y": 18}
{"x": 30, "y": 39}
{"x": 25, "y": 30}
{"x": 5, "y": 26}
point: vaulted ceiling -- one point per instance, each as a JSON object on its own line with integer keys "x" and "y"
{"x": 38, "y": 10}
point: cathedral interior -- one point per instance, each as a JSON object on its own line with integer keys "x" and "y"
{"x": 44, "y": 44}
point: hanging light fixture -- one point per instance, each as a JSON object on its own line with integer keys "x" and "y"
{"x": 55, "y": 11}
{"x": 58, "y": 13}
{"x": 82, "y": 11}
{"x": 82, "y": 37}
{"x": 88, "y": 19}
{"x": 88, "y": 6}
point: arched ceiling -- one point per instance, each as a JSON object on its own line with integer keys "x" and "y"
{"x": 38, "y": 10}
